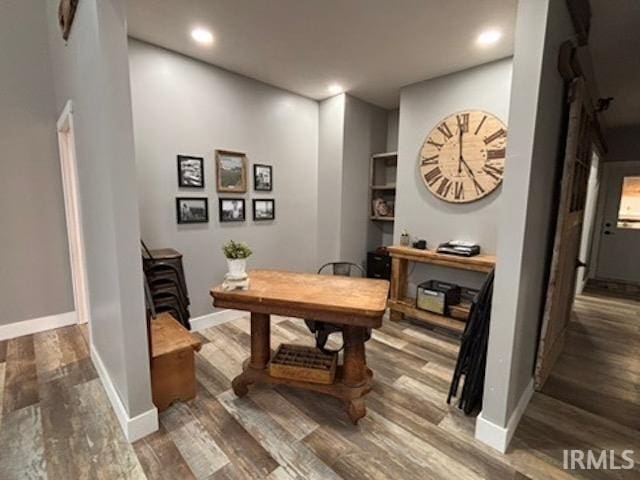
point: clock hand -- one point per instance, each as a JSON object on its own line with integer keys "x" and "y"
{"x": 467, "y": 167}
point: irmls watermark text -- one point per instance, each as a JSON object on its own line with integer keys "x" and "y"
{"x": 598, "y": 460}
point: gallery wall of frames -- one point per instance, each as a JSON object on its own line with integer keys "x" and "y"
{"x": 231, "y": 179}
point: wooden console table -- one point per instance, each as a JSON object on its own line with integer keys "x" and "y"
{"x": 400, "y": 304}
{"x": 354, "y": 303}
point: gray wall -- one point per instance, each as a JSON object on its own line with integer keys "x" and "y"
{"x": 623, "y": 144}
{"x": 527, "y": 217}
{"x": 35, "y": 278}
{"x": 92, "y": 70}
{"x": 365, "y": 129}
{"x": 182, "y": 106}
{"x": 329, "y": 188}
{"x": 393, "y": 118}
{"x": 351, "y": 130}
{"x": 422, "y": 106}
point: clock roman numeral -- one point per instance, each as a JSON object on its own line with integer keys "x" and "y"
{"x": 478, "y": 187}
{"x": 463, "y": 122}
{"x": 433, "y": 175}
{"x": 430, "y": 160}
{"x": 445, "y": 131}
{"x": 495, "y": 135}
{"x": 444, "y": 187}
{"x": 435, "y": 144}
{"x": 496, "y": 153}
{"x": 495, "y": 172}
{"x": 458, "y": 191}
{"x": 480, "y": 125}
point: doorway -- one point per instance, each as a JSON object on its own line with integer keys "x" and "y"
{"x": 71, "y": 190}
{"x": 618, "y": 256}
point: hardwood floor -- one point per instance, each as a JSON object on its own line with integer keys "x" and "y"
{"x": 56, "y": 422}
{"x": 599, "y": 368}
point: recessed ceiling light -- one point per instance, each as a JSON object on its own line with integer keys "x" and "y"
{"x": 202, "y": 36}
{"x": 334, "y": 88}
{"x": 489, "y": 37}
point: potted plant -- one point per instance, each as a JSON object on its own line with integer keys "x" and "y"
{"x": 237, "y": 254}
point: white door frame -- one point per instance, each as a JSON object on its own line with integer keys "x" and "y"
{"x": 73, "y": 212}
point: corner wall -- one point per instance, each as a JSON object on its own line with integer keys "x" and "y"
{"x": 365, "y": 133}
{"x": 91, "y": 70}
{"x": 527, "y": 215}
{"x": 351, "y": 130}
{"x": 35, "y": 275}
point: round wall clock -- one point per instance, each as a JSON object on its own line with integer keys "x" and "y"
{"x": 462, "y": 159}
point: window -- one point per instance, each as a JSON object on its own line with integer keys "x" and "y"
{"x": 629, "y": 213}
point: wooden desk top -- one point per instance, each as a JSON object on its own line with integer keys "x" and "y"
{"x": 334, "y": 299}
{"x": 479, "y": 263}
{"x": 167, "y": 335}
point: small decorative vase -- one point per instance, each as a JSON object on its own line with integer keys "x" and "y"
{"x": 237, "y": 267}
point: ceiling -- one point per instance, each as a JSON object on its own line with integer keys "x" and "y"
{"x": 370, "y": 47}
{"x": 614, "y": 42}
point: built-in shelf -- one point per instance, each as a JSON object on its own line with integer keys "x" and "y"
{"x": 385, "y": 155}
{"x": 382, "y": 187}
{"x": 407, "y": 306}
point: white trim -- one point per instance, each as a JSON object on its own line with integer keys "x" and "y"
{"x": 499, "y": 437}
{"x": 215, "y": 318}
{"x": 36, "y": 325}
{"x": 73, "y": 212}
{"x": 133, "y": 428}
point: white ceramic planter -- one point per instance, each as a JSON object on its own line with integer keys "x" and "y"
{"x": 237, "y": 267}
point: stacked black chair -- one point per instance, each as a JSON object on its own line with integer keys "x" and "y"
{"x": 164, "y": 275}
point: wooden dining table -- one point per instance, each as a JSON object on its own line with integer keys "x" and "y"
{"x": 355, "y": 304}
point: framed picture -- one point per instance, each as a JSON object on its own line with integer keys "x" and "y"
{"x": 192, "y": 210}
{"x": 264, "y": 209}
{"x": 262, "y": 178}
{"x": 231, "y": 171}
{"x": 231, "y": 209}
{"x": 190, "y": 171}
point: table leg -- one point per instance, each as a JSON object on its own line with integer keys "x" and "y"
{"x": 260, "y": 340}
{"x": 260, "y": 353}
{"x": 355, "y": 372}
{"x": 399, "y": 280}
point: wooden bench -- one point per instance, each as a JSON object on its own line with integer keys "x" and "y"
{"x": 173, "y": 375}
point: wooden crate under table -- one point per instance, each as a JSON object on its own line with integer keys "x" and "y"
{"x": 303, "y": 363}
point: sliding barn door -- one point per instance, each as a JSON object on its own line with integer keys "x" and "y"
{"x": 562, "y": 280}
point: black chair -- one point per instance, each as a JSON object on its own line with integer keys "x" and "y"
{"x": 322, "y": 330}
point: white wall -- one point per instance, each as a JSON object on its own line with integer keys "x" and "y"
{"x": 92, "y": 70}
{"x": 527, "y": 213}
{"x": 35, "y": 278}
{"x": 422, "y": 106}
{"x": 183, "y": 106}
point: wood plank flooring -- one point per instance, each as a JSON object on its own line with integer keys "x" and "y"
{"x": 56, "y": 422}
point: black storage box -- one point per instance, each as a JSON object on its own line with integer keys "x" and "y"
{"x": 436, "y": 296}
{"x": 378, "y": 265}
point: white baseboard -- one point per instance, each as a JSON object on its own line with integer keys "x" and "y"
{"x": 36, "y": 325}
{"x": 215, "y": 318}
{"x": 499, "y": 437}
{"x": 134, "y": 428}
